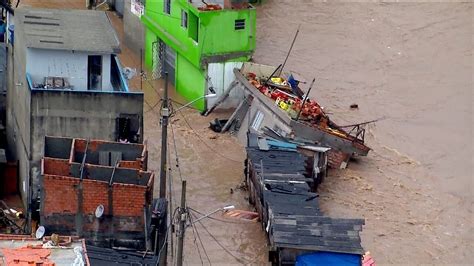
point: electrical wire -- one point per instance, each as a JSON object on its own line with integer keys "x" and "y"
{"x": 168, "y": 228}
{"x": 216, "y": 219}
{"x": 176, "y": 153}
{"x": 199, "y": 237}
{"x": 195, "y": 243}
{"x": 243, "y": 261}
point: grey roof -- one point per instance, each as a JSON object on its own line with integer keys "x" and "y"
{"x": 78, "y": 30}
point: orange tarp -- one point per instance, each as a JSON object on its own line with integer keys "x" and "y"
{"x": 27, "y": 256}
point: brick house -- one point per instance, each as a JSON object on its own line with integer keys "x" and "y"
{"x": 81, "y": 178}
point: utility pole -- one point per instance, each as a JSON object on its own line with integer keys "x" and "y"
{"x": 165, "y": 112}
{"x": 183, "y": 213}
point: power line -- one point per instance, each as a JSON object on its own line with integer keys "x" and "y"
{"x": 243, "y": 261}
{"x": 168, "y": 228}
{"x": 216, "y": 219}
{"x": 199, "y": 237}
{"x": 176, "y": 152}
{"x": 197, "y": 246}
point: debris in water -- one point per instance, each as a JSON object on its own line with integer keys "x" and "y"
{"x": 241, "y": 214}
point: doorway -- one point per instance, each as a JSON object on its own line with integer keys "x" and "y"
{"x": 94, "y": 72}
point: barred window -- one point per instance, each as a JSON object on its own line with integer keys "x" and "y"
{"x": 239, "y": 24}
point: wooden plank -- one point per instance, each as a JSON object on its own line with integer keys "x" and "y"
{"x": 222, "y": 98}
{"x": 242, "y": 108}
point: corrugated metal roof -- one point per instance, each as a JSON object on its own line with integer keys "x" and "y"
{"x": 291, "y": 211}
{"x": 77, "y": 30}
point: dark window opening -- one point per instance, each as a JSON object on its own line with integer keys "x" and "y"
{"x": 184, "y": 19}
{"x": 94, "y": 72}
{"x": 128, "y": 128}
{"x": 193, "y": 29}
{"x": 167, "y": 6}
{"x": 239, "y": 24}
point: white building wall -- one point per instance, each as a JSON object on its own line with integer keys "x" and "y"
{"x": 106, "y": 65}
{"x": 42, "y": 63}
{"x": 220, "y": 75}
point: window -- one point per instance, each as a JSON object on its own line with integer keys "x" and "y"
{"x": 193, "y": 27}
{"x": 167, "y": 6}
{"x": 184, "y": 19}
{"x": 257, "y": 121}
{"x": 94, "y": 72}
{"x": 239, "y": 24}
{"x": 128, "y": 128}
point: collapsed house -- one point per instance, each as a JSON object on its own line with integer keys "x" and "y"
{"x": 98, "y": 190}
{"x": 282, "y": 181}
{"x": 275, "y": 104}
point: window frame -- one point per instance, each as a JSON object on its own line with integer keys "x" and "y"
{"x": 184, "y": 19}
{"x": 257, "y": 120}
{"x": 239, "y": 24}
{"x": 167, "y": 7}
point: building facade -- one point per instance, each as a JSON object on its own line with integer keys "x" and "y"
{"x": 198, "y": 44}
{"x": 65, "y": 80}
{"x": 99, "y": 190}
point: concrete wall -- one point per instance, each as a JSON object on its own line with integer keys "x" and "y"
{"x": 77, "y": 114}
{"x": 269, "y": 120}
{"x": 18, "y": 113}
{"x": 58, "y": 63}
{"x": 134, "y": 33}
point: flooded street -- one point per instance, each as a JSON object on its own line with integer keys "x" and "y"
{"x": 409, "y": 64}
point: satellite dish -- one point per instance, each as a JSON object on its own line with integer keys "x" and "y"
{"x": 99, "y": 211}
{"x": 40, "y": 232}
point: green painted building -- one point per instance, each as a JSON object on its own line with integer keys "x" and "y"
{"x": 197, "y": 47}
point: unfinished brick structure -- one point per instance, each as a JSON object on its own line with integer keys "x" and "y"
{"x": 112, "y": 175}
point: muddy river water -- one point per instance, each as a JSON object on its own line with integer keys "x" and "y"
{"x": 410, "y": 64}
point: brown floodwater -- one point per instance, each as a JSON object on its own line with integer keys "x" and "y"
{"x": 410, "y": 64}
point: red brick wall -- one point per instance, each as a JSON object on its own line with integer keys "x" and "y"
{"x": 131, "y": 164}
{"x": 336, "y": 158}
{"x": 53, "y": 166}
{"x": 60, "y": 196}
{"x": 128, "y": 199}
{"x": 95, "y": 193}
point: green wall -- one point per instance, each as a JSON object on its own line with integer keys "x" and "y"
{"x": 209, "y": 33}
{"x": 190, "y": 81}
{"x": 150, "y": 37}
{"x": 216, "y": 33}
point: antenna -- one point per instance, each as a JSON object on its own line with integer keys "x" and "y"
{"x": 40, "y": 232}
{"x": 99, "y": 211}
